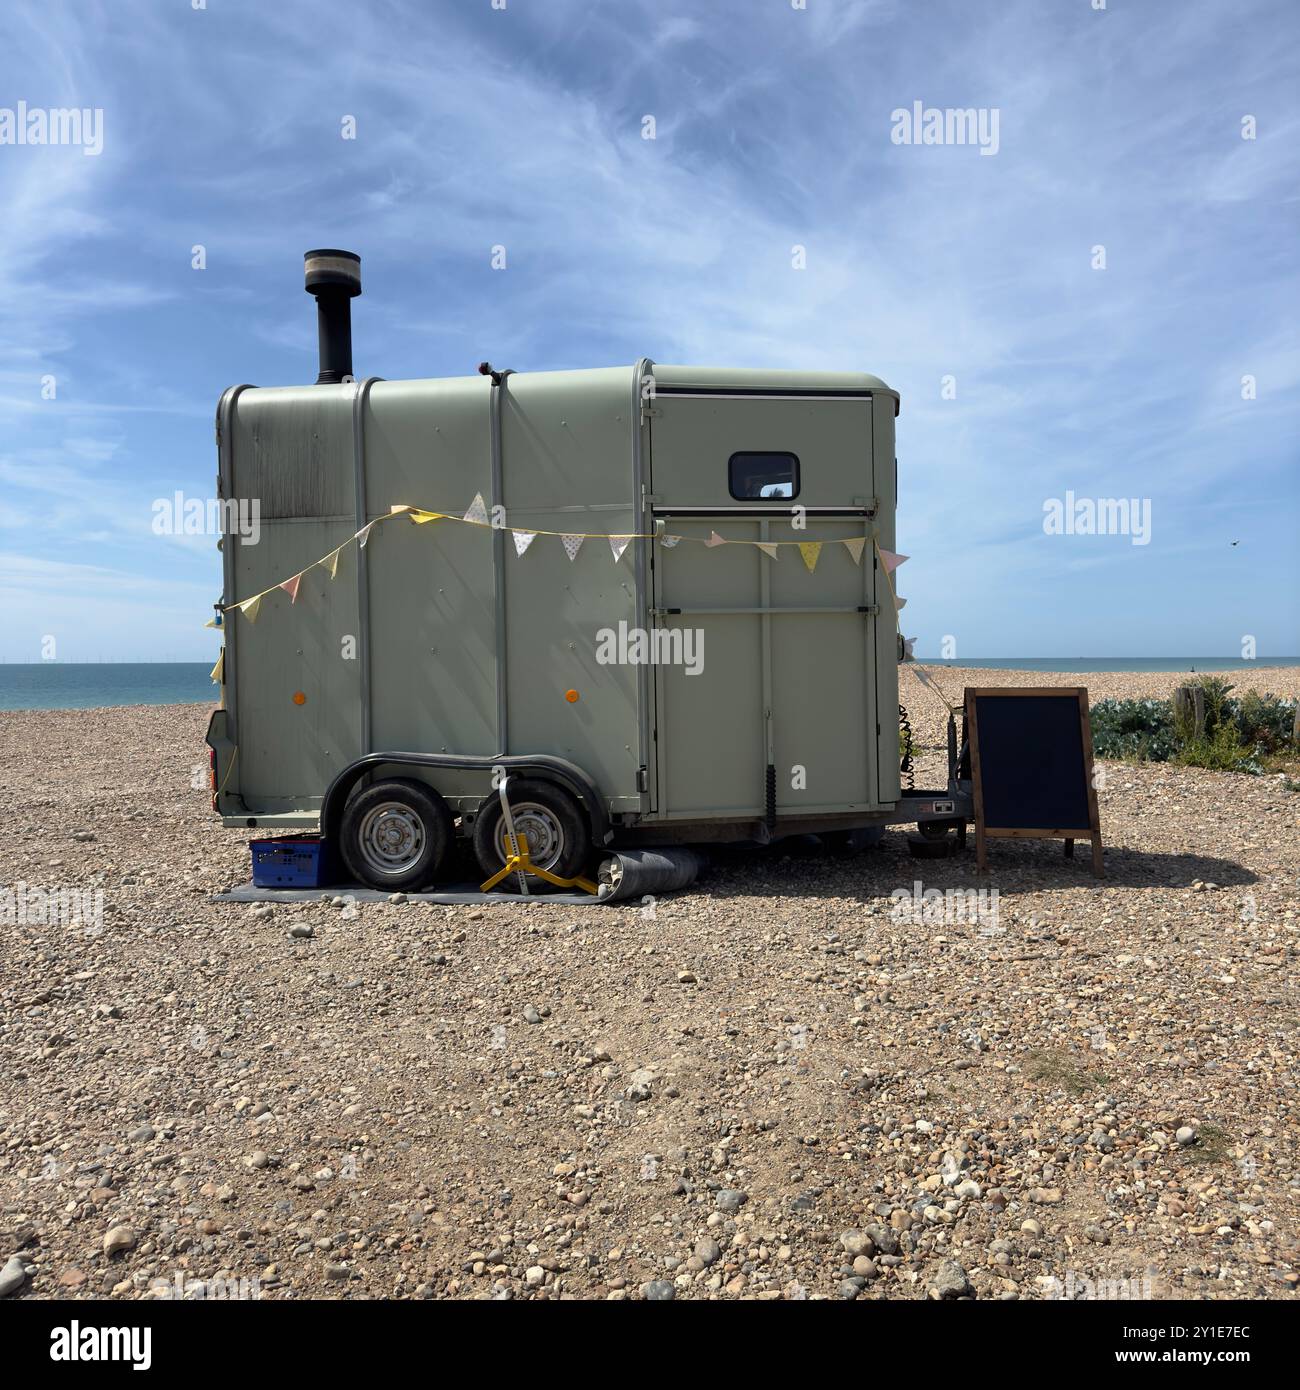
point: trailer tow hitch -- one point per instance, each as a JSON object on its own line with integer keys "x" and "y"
{"x": 518, "y": 862}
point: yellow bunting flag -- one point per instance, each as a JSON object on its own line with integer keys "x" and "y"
{"x": 250, "y": 606}
{"x": 331, "y": 563}
{"x": 768, "y": 549}
{"x": 899, "y": 602}
{"x": 854, "y": 544}
{"x": 290, "y": 586}
{"x": 218, "y": 672}
{"x": 811, "y": 552}
{"x": 420, "y": 517}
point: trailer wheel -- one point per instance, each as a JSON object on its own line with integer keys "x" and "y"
{"x": 547, "y": 817}
{"x": 396, "y": 835}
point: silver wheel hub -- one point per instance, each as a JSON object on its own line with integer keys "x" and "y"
{"x": 391, "y": 838}
{"x": 539, "y": 827}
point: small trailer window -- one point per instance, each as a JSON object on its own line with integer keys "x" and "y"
{"x": 754, "y": 477}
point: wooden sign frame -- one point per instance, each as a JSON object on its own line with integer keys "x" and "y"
{"x": 1069, "y": 834}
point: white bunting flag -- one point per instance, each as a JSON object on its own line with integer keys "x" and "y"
{"x": 572, "y": 544}
{"x": 769, "y": 549}
{"x": 668, "y": 541}
{"x": 854, "y": 544}
{"x": 618, "y": 544}
{"x": 523, "y": 539}
{"x": 477, "y": 511}
{"x": 364, "y": 535}
{"x": 899, "y": 603}
{"x": 892, "y": 561}
{"x": 250, "y": 606}
{"x": 908, "y": 644}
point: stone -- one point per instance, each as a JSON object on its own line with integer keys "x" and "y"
{"x": 13, "y": 1276}
{"x": 531, "y": 1015}
{"x": 707, "y": 1251}
{"x": 660, "y": 1291}
{"x": 118, "y": 1240}
{"x": 302, "y": 931}
{"x": 730, "y": 1200}
{"x": 948, "y": 1281}
{"x": 1186, "y": 1135}
{"x": 857, "y": 1243}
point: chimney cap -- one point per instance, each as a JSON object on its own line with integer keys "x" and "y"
{"x": 329, "y": 267}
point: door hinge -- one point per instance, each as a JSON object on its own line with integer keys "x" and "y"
{"x": 643, "y": 779}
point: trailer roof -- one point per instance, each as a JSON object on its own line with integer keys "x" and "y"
{"x": 765, "y": 379}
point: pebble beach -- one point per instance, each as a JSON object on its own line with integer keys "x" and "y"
{"x": 784, "y": 1083}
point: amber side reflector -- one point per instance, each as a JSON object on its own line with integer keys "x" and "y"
{"x": 299, "y": 698}
{"x": 571, "y": 696}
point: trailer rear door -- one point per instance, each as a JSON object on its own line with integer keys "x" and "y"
{"x": 774, "y": 680}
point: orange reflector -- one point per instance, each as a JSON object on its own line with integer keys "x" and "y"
{"x": 571, "y": 696}
{"x": 299, "y": 698}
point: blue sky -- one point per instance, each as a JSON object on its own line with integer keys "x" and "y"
{"x": 1119, "y": 128}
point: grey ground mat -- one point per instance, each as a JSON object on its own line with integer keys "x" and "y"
{"x": 456, "y": 893}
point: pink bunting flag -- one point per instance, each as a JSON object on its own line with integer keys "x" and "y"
{"x": 892, "y": 560}
{"x": 290, "y": 586}
{"x": 715, "y": 539}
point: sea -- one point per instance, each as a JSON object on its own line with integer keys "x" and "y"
{"x": 68, "y": 685}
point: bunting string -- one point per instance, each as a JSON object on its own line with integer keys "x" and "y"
{"x": 618, "y": 541}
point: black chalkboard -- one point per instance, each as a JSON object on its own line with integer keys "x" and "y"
{"x": 1031, "y": 762}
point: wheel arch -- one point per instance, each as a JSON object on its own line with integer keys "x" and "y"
{"x": 543, "y": 766}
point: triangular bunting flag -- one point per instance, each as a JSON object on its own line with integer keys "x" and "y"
{"x": 854, "y": 544}
{"x": 618, "y": 544}
{"x": 768, "y": 549}
{"x": 477, "y": 511}
{"x": 715, "y": 539}
{"x": 364, "y": 534}
{"x": 892, "y": 561}
{"x": 290, "y": 586}
{"x": 811, "y": 552}
{"x": 668, "y": 541}
{"x": 899, "y": 602}
{"x": 214, "y": 622}
{"x": 908, "y": 644}
{"x": 398, "y": 510}
{"x": 572, "y": 544}
{"x": 218, "y": 673}
{"x": 420, "y": 517}
{"x": 331, "y": 562}
{"x": 523, "y": 539}
{"x": 250, "y": 606}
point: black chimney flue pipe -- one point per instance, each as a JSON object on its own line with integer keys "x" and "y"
{"x": 334, "y": 277}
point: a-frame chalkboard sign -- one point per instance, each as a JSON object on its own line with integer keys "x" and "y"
{"x": 1031, "y": 763}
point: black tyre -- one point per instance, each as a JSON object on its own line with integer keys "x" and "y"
{"x": 396, "y": 835}
{"x": 548, "y": 818}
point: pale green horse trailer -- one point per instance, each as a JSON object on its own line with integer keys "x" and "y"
{"x": 675, "y": 693}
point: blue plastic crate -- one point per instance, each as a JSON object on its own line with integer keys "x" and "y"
{"x": 293, "y": 861}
